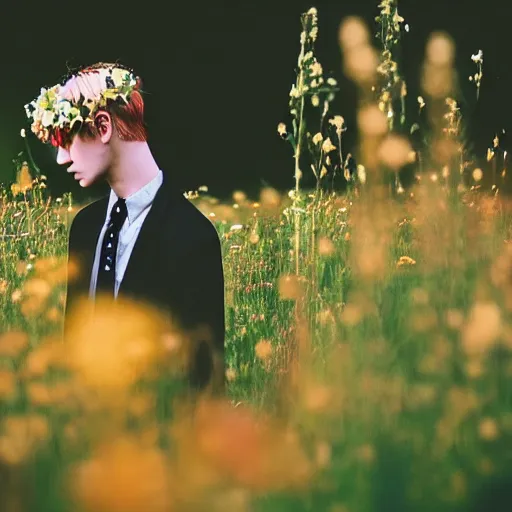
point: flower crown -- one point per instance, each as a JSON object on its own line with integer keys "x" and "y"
{"x": 54, "y": 116}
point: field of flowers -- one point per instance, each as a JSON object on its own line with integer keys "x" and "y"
{"x": 369, "y": 332}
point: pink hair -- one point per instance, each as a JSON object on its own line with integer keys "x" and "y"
{"x": 128, "y": 119}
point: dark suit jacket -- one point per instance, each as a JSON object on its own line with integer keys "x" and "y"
{"x": 176, "y": 265}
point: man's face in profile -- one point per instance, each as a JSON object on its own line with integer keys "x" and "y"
{"x": 87, "y": 159}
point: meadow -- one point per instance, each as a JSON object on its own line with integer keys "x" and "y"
{"x": 368, "y": 331}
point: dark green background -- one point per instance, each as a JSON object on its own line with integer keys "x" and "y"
{"x": 218, "y": 75}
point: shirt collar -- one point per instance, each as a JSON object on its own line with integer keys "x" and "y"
{"x": 137, "y": 202}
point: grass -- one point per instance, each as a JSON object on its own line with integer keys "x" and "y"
{"x": 367, "y": 349}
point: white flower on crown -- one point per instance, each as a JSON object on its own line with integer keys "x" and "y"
{"x": 63, "y": 107}
{"x": 118, "y": 76}
{"x": 47, "y": 118}
{"x": 57, "y": 106}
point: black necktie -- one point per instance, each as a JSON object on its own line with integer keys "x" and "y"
{"x": 107, "y": 268}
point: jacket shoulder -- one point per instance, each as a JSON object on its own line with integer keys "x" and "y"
{"x": 199, "y": 227}
{"x": 90, "y": 209}
{"x": 196, "y": 220}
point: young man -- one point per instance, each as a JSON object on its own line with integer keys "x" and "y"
{"x": 145, "y": 241}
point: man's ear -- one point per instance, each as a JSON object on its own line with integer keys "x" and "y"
{"x": 103, "y": 123}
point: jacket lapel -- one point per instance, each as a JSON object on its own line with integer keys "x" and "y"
{"x": 150, "y": 240}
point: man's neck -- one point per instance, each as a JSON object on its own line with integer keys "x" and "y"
{"x": 134, "y": 168}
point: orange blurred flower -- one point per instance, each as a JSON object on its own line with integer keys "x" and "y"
{"x": 123, "y": 476}
{"x": 317, "y": 397}
{"x": 113, "y": 349}
{"x": 263, "y": 349}
{"x": 241, "y": 448}
{"x": 20, "y": 436}
{"x": 12, "y": 343}
{"x": 40, "y": 358}
{"x": 405, "y": 261}
{"x": 7, "y": 384}
{"x": 488, "y": 429}
{"x": 39, "y": 394}
{"x": 290, "y": 287}
{"x": 325, "y": 246}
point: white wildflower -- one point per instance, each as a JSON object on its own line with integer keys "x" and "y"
{"x": 361, "y": 173}
{"x": 478, "y": 58}
{"x": 317, "y": 138}
{"x": 294, "y": 93}
{"x": 328, "y": 146}
{"x": 337, "y": 121}
{"x": 316, "y": 69}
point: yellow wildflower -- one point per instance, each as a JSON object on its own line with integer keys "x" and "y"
{"x": 328, "y": 146}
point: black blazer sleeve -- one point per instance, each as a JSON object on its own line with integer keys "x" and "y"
{"x": 203, "y": 307}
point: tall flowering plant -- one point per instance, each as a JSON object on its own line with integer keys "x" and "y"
{"x": 311, "y": 88}
{"x": 392, "y": 86}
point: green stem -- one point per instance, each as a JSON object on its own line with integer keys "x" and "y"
{"x": 32, "y": 162}
{"x": 297, "y": 169}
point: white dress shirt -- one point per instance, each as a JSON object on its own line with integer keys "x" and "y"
{"x": 138, "y": 205}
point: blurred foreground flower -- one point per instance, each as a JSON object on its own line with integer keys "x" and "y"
{"x": 12, "y": 343}
{"x": 395, "y": 152}
{"x": 290, "y": 287}
{"x": 116, "y": 346}
{"x": 270, "y": 198}
{"x": 20, "y": 436}
{"x": 123, "y": 476}
{"x": 263, "y": 349}
{"x": 233, "y": 445}
{"x": 483, "y": 328}
{"x": 405, "y": 261}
